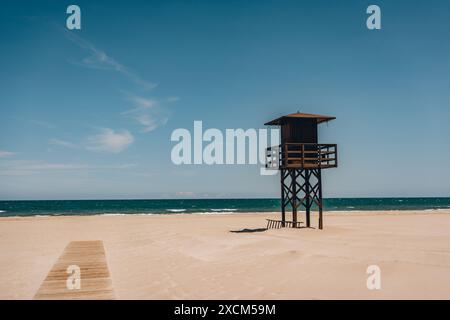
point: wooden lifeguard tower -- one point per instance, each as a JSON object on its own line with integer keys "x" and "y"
{"x": 300, "y": 159}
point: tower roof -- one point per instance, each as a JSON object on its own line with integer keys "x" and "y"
{"x": 319, "y": 118}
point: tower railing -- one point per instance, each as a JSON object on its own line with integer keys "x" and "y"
{"x": 302, "y": 156}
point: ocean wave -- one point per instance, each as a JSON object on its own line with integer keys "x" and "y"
{"x": 224, "y": 210}
{"x": 2, "y": 211}
{"x": 176, "y": 210}
{"x": 128, "y": 214}
{"x": 212, "y": 213}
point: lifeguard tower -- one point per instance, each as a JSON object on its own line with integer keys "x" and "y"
{"x": 300, "y": 159}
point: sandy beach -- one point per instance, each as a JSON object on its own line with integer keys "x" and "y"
{"x": 202, "y": 257}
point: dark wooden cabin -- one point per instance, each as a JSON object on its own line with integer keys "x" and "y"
{"x": 300, "y": 158}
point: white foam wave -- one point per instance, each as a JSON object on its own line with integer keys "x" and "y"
{"x": 212, "y": 213}
{"x": 176, "y": 210}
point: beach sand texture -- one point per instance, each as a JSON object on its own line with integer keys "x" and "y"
{"x": 199, "y": 257}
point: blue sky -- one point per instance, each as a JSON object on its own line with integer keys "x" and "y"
{"x": 89, "y": 113}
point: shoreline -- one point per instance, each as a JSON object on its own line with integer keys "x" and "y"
{"x": 228, "y": 213}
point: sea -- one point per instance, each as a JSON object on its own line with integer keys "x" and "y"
{"x": 204, "y": 206}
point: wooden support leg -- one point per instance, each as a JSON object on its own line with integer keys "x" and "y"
{"x": 294, "y": 196}
{"x": 283, "y": 200}
{"x": 308, "y": 198}
{"x": 319, "y": 178}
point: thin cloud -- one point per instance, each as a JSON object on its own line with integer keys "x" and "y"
{"x": 63, "y": 143}
{"x": 6, "y": 154}
{"x": 139, "y": 103}
{"x": 44, "y": 124}
{"x": 147, "y": 112}
{"x": 184, "y": 173}
{"x": 98, "y": 59}
{"x": 21, "y": 167}
{"x": 147, "y": 122}
{"x": 110, "y": 141}
{"x": 36, "y": 122}
{"x": 107, "y": 140}
{"x": 185, "y": 194}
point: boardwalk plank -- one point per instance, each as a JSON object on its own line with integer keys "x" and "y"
{"x": 95, "y": 279}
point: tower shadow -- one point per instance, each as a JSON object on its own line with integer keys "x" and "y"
{"x": 249, "y": 230}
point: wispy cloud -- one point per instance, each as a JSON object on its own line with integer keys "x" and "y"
{"x": 98, "y": 59}
{"x": 23, "y": 167}
{"x": 110, "y": 141}
{"x": 185, "y": 194}
{"x": 139, "y": 103}
{"x": 36, "y": 122}
{"x": 184, "y": 173}
{"x": 44, "y": 124}
{"x": 63, "y": 143}
{"x": 5, "y": 154}
{"x": 107, "y": 140}
{"x": 148, "y": 112}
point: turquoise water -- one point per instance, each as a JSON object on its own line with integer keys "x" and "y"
{"x": 212, "y": 206}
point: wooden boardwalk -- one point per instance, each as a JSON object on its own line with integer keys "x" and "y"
{"x": 94, "y": 279}
{"x": 277, "y": 224}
